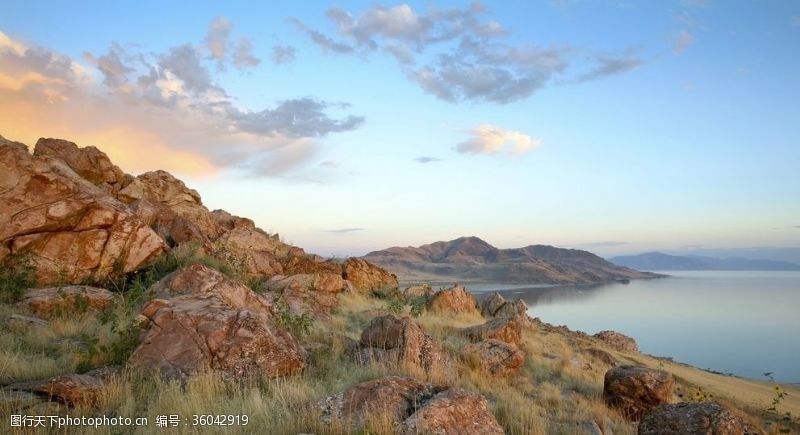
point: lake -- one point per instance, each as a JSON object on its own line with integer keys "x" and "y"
{"x": 744, "y": 323}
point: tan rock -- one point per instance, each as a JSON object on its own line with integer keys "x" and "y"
{"x": 455, "y": 300}
{"x": 617, "y": 341}
{"x": 409, "y": 407}
{"x": 367, "y": 277}
{"x": 213, "y": 322}
{"x": 505, "y": 329}
{"x": 695, "y": 418}
{"x": 636, "y": 390}
{"x": 453, "y": 412}
{"x": 418, "y": 291}
{"x": 601, "y": 355}
{"x": 494, "y": 357}
{"x": 72, "y": 229}
{"x": 401, "y": 341}
{"x": 72, "y": 389}
{"x": 88, "y": 162}
{"x": 317, "y": 294}
{"x": 49, "y": 302}
{"x": 495, "y": 305}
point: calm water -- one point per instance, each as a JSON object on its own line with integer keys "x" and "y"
{"x": 745, "y": 323}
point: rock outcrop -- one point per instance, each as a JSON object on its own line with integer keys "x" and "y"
{"x": 418, "y": 291}
{"x": 315, "y": 294}
{"x": 72, "y": 389}
{"x": 213, "y": 322}
{"x": 367, "y": 277}
{"x": 494, "y": 357}
{"x": 636, "y": 390}
{"x": 88, "y": 162}
{"x": 72, "y": 229}
{"x": 455, "y": 300}
{"x": 49, "y": 302}
{"x": 410, "y": 406}
{"x": 400, "y": 341}
{"x": 505, "y": 329}
{"x": 617, "y": 341}
{"x": 495, "y": 305}
{"x": 695, "y": 418}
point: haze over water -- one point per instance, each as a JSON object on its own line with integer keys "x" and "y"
{"x": 744, "y": 323}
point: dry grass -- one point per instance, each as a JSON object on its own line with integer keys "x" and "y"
{"x": 557, "y": 391}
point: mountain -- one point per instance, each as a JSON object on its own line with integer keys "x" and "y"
{"x": 473, "y": 259}
{"x": 659, "y": 261}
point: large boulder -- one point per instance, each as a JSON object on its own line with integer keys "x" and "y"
{"x": 368, "y": 277}
{"x": 696, "y": 418}
{"x": 72, "y": 389}
{"x": 401, "y": 341}
{"x": 495, "y": 305}
{"x": 213, "y": 322}
{"x": 409, "y": 406}
{"x": 617, "y": 341}
{"x": 172, "y": 199}
{"x": 634, "y": 390}
{"x": 505, "y": 329}
{"x": 72, "y": 229}
{"x": 257, "y": 252}
{"x": 49, "y": 302}
{"x": 316, "y": 294}
{"x": 494, "y": 357}
{"x": 88, "y": 162}
{"x": 454, "y": 300}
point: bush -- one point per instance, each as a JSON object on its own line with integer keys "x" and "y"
{"x": 17, "y": 274}
{"x": 298, "y": 325}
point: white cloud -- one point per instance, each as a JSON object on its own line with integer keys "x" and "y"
{"x": 488, "y": 140}
{"x": 682, "y": 41}
{"x": 219, "y": 32}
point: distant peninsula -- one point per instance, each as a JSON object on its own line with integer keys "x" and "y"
{"x": 661, "y": 261}
{"x": 473, "y": 259}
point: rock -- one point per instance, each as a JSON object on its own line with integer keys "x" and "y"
{"x": 88, "y": 162}
{"x": 617, "y": 341}
{"x": 694, "y": 418}
{"x": 455, "y": 300}
{"x": 316, "y": 294}
{"x": 54, "y": 301}
{"x": 601, "y": 355}
{"x": 453, "y": 412}
{"x": 495, "y": 305}
{"x": 298, "y": 262}
{"x": 18, "y": 321}
{"x": 418, "y": 291}
{"x": 409, "y": 407}
{"x": 494, "y": 357}
{"x": 213, "y": 322}
{"x": 72, "y": 389}
{"x": 505, "y": 329}
{"x": 258, "y": 252}
{"x": 590, "y": 428}
{"x": 367, "y": 277}
{"x": 171, "y": 196}
{"x": 72, "y": 229}
{"x": 635, "y": 390}
{"x": 401, "y": 341}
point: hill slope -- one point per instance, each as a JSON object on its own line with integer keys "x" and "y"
{"x": 659, "y": 261}
{"x": 473, "y": 259}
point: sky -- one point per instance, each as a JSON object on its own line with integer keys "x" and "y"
{"x": 613, "y": 126}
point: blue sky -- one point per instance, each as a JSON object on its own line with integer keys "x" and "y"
{"x": 616, "y": 126}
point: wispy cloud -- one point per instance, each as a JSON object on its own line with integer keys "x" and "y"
{"x": 427, "y": 159}
{"x": 682, "y": 41}
{"x": 487, "y": 139}
{"x": 343, "y": 231}
{"x": 136, "y": 104}
{"x": 282, "y": 54}
{"x": 458, "y": 54}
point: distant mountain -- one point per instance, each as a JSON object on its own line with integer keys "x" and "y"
{"x": 659, "y": 261}
{"x": 472, "y": 259}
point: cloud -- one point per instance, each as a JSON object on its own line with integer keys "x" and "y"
{"x": 282, "y": 54}
{"x": 427, "y": 159}
{"x": 243, "y": 55}
{"x": 343, "y": 231}
{"x": 219, "y": 32}
{"x": 682, "y": 41}
{"x": 157, "y": 110}
{"x": 487, "y": 139}
{"x": 458, "y": 54}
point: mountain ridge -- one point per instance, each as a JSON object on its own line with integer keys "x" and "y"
{"x": 471, "y": 258}
{"x": 660, "y": 261}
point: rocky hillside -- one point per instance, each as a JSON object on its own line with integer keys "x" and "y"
{"x": 472, "y": 259}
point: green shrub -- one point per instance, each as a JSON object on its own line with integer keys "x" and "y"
{"x": 298, "y": 324}
{"x": 17, "y": 274}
